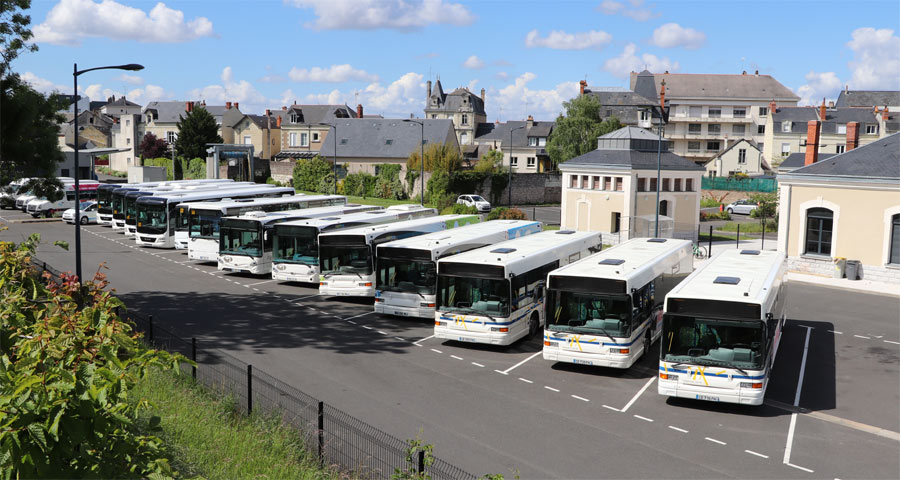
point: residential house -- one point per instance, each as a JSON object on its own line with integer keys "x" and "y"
{"x": 126, "y": 133}
{"x": 304, "y": 128}
{"x": 161, "y": 118}
{"x": 463, "y": 107}
{"x": 869, "y": 99}
{"x": 94, "y": 128}
{"x": 630, "y": 107}
{"x": 613, "y": 189}
{"x": 796, "y": 160}
{"x": 706, "y": 111}
{"x": 528, "y": 151}
{"x": 261, "y": 131}
{"x": 742, "y": 156}
{"x": 847, "y": 206}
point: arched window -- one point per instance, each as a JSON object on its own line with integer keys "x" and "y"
{"x": 664, "y": 208}
{"x": 895, "y": 240}
{"x": 819, "y": 225}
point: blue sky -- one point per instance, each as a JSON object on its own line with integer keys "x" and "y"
{"x": 528, "y": 55}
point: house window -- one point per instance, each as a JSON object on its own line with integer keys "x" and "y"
{"x": 63, "y": 172}
{"x": 694, "y": 129}
{"x": 653, "y": 184}
{"x": 665, "y": 184}
{"x": 433, "y": 116}
{"x": 739, "y": 112}
{"x": 742, "y": 156}
{"x": 464, "y": 138}
{"x": 645, "y": 116}
{"x": 693, "y": 147}
{"x": 786, "y": 127}
{"x": 248, "y": 140}
{"x": 819, "y": 226}
{"x": 295, "y": 118}
{"x": 677, "y": 184}
{"x": 584, "y": 181}
{"x": 465, "y": 119}
{"x": 738, "y": 129}
{"x": 532, "y": 141}
{"x": 343, "y": 141}
{"x": 640, "y": 184}
{"x": 542, "y": 141}
{"x": 573, "y": 181}
{"x": 595, "y": 182}
{"x": 127, "y": 141}
{"x": 715, "y": 112}
{"x": 688, "y": 184}
{"x": 763, "y": 111}
{"x": 607, "y": 183}
{"x": 760, "y": 129}
{"x": 842, "y": 128}
{"x": 695, "y": 112}
{"x": 714, "y": 128}
{"x": 514, "y": 161}
{"x": 127, "y": 122}
{"x": 619, "y": 184}
{"x": 871, "y": 129}
{"x": 292, "y": 139}
{"x": 839, "y": 148}
{"x": 304, "y": 139}
{"x": 712, "y": 146}
{"x": 894, "y": 256}
{"x": 171, "y": 137}
{"x": 315, "y": 136}
{"x": 532, "y": 162}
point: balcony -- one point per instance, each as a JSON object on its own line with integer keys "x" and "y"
{"x": 677, "y": 119}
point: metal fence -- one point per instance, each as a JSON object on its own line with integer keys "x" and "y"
{"x": 339, "y": 439}
{"x": 742, "y": 185}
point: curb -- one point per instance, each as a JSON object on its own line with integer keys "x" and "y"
{"x": 864, "y": 286}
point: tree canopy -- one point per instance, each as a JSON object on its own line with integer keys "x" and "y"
{"x": 194, "y": 131}
{"x": 153, "y": 146}
{"x": 14, "y": 32}
{"x": 438, "y": 156}
{"x": 576, "y": 132}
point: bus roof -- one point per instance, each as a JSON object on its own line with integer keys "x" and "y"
{"x": 523, "y": 254}
{"x": 365, "y": 234}
{"x": 303, "y": 213}
{"x": 439, "y": 242}
{"x": 186, "y": 196}
{"x": 745, "y": 276}
{"x": 222, "y": 205}
{"x": 325, "y": 222}
{"x": 636, "y": 261}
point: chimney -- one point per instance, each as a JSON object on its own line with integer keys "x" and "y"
{"x": 884, "y": 114}
{"x": 852, "y": 135}
{"x": 773, "y": 107}
{"x": 662, "y": 95}
{"x": 756, "y": 73}
{"x": 847, "y": 89}
{"x": 822, "y": 112}
{"x": 831, "y": 104}
{"x": 482, "y": 95}
{"x": 582, "y": 84}
{"x": 744, "y": 72}
{"x": 278, "y": 121}
{"x": 237, "y": 105}
{"x": 284, "y": 108}
{"x": 188, "y": 107}
{"x": 530, "y": 122}
{"x": 359, "y": 110}
{"x": 812, "y": 142}
{"x": 428, "y": 92}
{"x": 227, "y": 105}
{"x": 268, "y": 112}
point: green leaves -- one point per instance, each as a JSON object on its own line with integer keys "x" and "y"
{"x": 62, "y": 244}
{"x": 576, "y": 133}
{"x": 195, "y": 130}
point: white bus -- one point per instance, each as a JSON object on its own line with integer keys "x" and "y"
{"x": 41, "y": 207}
{"x": 203, "y": 218}
{"x": 25, "y": 194}
{"x": 131, "y": 197}
{"x": 495, "y": 294}
{"x": 123, "y": 205}
{"x": 157, "y": 215}
{"x": 406, "y": 270}
{"x": 295, "y": 250}
{"x": 105, "y": 192}
{"x": 721, "y": 329}
{"x": 347, "y": 257}
{"x": 245, "y": 241}
{"x": 606, "y": 310}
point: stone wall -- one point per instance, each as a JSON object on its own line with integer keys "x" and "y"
{"x": 282, "y": 172}
{"x": 825, "y": 268}
{"x": 527, "y": 189}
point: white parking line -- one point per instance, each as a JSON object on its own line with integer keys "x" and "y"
{"x": 383, "y": 333}
{"x": 643, "y": 418}
{"x": 308, "y": 296}
{"x": 837, "y": 332}
{"x": 580, "y": 398}
{"x": 520, "y": 363}
{"x": 889, "y": 341}
{"x": 351, "y": 321}
{"x": 478, "y": 364}
{"x": 751, "y": 452}
{"x": 716, "y": 441}
{"x": 357, "y": 316}
{"x": 436, "y": 350}
{"x": 678, "y": 429}
{"x": 798, "y": 467}
{"x": 790, "y": 437}
{"x": 611, "y": 408}
{"x": 416, "y": 343}
{"x": 860, "y": 336}
{"x": 364, "y": 326}
{"x": 552, "y": 389}
{"x": 643, "y": 389}
{"x": 401, "y": 339}
{"x": 525, "y": 380}
{"x": 454, "y": 356}
{"x": 260, "y": 283}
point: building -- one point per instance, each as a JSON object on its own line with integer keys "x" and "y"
{"x": 742, "y": 156}
{"x": 709, "y": 111}
{"x": 869, "y": 99}
{"x": 304, "y": 128}
{"x": 261, "y": 131}
{"x": 796, "y": 160}
{"x": 613, "y": 189}
{"x": 846, "y": 206}
{"x": 462, "y": 107}
{"x": 161, "y": 118}
{"x": 528, "y": 151}
{"x": 630, "y": 107}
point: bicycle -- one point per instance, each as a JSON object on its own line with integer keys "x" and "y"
{"x": 700, "y": 252}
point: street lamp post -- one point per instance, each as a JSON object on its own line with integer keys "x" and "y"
{"x": 75, "y": 74}
{"x": 333, "y": 155}
{"x": 509, "y": 174}
{"x": 421, "y": 159}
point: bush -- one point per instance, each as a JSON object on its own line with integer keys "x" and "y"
{"x": 459, "y": 209}
{"x": 196, "y": 169}
{"x": 503, "y": 213}
{"x": 314, "y": 175}
{"x": 723, "y": 215}
{"x": 436, "y": 191}
{"x": 708, "y": 202}
{"x": 162, "y": 162}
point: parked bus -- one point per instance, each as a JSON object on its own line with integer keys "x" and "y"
{"x": 105, "y": 191}
{"x": 245, "y": 241}
{"x": 157, "y": 215}
{"x": 25, "y": 194}
{"x": 295, "y": 250}
{"x": 120, "y": 205}
{"x": 495, "y": 294}
{"x": 347, "y": 257}
{"x": 606, "y": 309}
{"x": 721, "y": 329}
{"x": 203, "y": 218}
{"x": 41, "y": 207}
{"x": 406, "y": 270}
{"x": 131, "y": 197}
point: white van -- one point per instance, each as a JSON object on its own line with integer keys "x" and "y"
{"x": 40, "y": 207}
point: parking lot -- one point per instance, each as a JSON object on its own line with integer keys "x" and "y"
{"x": 831, "y": 409}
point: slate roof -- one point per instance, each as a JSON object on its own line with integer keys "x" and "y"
{"x": 500, "y": 131}
{"x": 169, "y": 112}
{"x": 260, "y": 120}
{"x": 799, "y": 116}
{"x": 751, "y": 143}
{"x": 642, "y": 159}
{"x": 645, "y": 87}
{"x": 868, "y": 98}
{"x": 384, "y": 138}
{"x": 845, "y": 115}
{"x": 796, "y": 160}
{"x": 312, "y": 114}
{"x": 453, "y": 101}
{"x": 703, "y": 85}
{"x": 121, "y": 102}
{"x": 877, "y": 160}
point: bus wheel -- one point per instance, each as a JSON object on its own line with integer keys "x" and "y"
{"x": 534, "y": 324}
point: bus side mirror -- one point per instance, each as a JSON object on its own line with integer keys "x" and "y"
{"x": 266, "y": 235}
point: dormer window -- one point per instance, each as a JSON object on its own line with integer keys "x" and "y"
{"x": 785, "y": 126}
{"x": 465, "y": 119}
{"x": 295, "y": 118}
{"x": 532, "y": 141}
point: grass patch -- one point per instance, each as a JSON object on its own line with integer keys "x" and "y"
{"x": 750, "y": 227}
{"x": 707, "y": 202}
{"x": 208, "y": 438}
{"x": 718, "y": 237}
{"x": 551, "y": 227}
{"x": 381, "y": 202}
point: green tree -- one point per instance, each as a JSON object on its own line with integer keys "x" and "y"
{"x": 767, "y": 205}
{"x": 576, "y": 132}
{"x": 14, "y": 32}
{"x": 490, "y": 162}
{"x": 438, "y": 156}
{"x": 314, "y": 175}
{"x": 194, "y": 131}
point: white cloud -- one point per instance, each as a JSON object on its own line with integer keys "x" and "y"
{"x": 71, "y": 21}
{"x": 876, "y": 59}
{"x": 404, "y": 15}
{"x": 149, "y": 93}
{"x": 43, "y": 85}
{"x": 473, "y": 63}
{"x": 674, "y": 35}
{"x": 628, "y": 62}
{"x": 398, "y": 99}
{"x": 273, "y": 78}
{"x": 819, "y": 85}
{"x": 560, "y": 40}
{"x": 130, "y": 79}
{"x": 96, "y": 92}
{"x": 332, "y": 74}
{"x": 635, "y": 12}
{"x": 501, "y": 75}
{"x": 517, "y": 100}
{"x": 227, "y": 75}
{"x": 230, "y": 90}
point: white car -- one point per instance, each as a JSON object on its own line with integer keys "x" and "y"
{"x": 88, "y": 214}
{"x": 482, "y": 205}
{"x": 741, "y": 206}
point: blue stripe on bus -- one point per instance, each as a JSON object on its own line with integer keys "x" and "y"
{"x": 603, "y": 344}
{"x": 448, "y": 319}
{"x": 709, "y": 374}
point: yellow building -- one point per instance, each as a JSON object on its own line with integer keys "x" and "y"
{"x": 261, "y": 131}
{"x": 613, "y": 189}
{"x": 847, "y": 206}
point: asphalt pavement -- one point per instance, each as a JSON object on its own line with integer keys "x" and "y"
{"x": 506, "y": 410}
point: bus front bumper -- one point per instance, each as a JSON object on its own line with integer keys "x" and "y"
{"x": 346, "y": 290}
{"x": 130, "y": 230}
{"x": 468, "y": 336}
{"x": 149, "y": 240}
{"x": 203, "y": 256}
{"x": 744, "y": 396}
{"x": 596, "y": 359}
{"x": 233, "y": 263}
{"x": 415, "y": 312}
{"x": 285, "y": 274}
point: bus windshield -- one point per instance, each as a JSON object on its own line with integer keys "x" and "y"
{"x": 118, "y": 205}
{"x": 402, "y": 275}
{"x": 203, "y": 223}
{"x": 345, "y": 259}
{"x": 707, "y": 341}
{"x": 477, "y": 296}
{"x": 240, "y": 237}
{"x": 588, "y": 313}
{"x": 296, "y": 245}
{"x": 152, "y": 219}
{"x": 104, "y": 198}
{"x": 130, "y": 206}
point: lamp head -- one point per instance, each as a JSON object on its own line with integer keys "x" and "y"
{"x": 132, "y": 67}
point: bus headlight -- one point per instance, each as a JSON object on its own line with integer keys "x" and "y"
{"x": 500, "y": 329}
{"x": 280, "y": 266}
{"x": 440, "y": 324}
{"x": 623, "y": 351}
{"x": 668, "y": 376}
{"x": 548, "y": 343}
{"x": 754, "y": 385}
{"x": 426, "y": 305}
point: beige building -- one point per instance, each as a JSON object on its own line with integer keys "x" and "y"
{"x": 462, "y": 107}
{"x": 613, "y": 189}
{"x": 161, "y": 118}
{"x": 528, "y": 151}
{"x": 305, "y": 128}
{"x": 742, "y": 156}
{"x": 847, "y": 206}
{"x": 261, "y": 131}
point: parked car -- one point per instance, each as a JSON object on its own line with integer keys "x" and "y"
{"x": 482, "y": 205}
{"x": 88, "y": 214}
{"x": 744, "y": 206}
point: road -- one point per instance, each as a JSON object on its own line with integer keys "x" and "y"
{"x": 506, "y": 410}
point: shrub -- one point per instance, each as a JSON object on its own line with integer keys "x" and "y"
{"x": 162, "y": 162}
{"x": 313, "y": 175}
{"x": 459, "y": 209}
{"x": 196, "y": 169}
{"x": 723, "y": 215}
{"x": 709, "y": 202}
{"x": 503, "y": 213}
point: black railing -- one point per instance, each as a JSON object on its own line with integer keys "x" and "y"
{"x": 340, "y": 439}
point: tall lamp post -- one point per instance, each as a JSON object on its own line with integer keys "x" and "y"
{"x": 509, "y": 174}
{"x": 421, "y": 159}
{"x": 75, "y": 74}
{"x": 333, "y": 155}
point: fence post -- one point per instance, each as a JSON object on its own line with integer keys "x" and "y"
{"x": 150, "y": 329}
{"x": 710, "y": 242}
{"x": 249, "y": 389}
{"x": 321, "y": 428}
{"x": 763, "y": 247}
{"x": 534, "y": 213}
{"x": 194, "y": 357}
{"x": 420, "y": 468}
{"x": 737, "y": 240}
{"x": 698, "y": 233}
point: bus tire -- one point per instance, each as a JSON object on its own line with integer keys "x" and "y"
{"x": 534, "y": 324}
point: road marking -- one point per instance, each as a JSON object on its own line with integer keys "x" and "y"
{"x": 716, "y": 441}
{"x": 611, "y": 408}
{"x": 860, "y": 336}
{"x": 837, "y": 332}
{"x": 351, "y": 321}
{"x": 643, "y": 418}
{"x": 889, "y": 341}
{"x": 436, "y": 350}
{"x": 525, "y": 380}
{"x": 401, "y": 339}
{"x": 520, "y": 363}
{"x": 751, "y": 452}
{"x": 790, "y": 437}
{"x": 552, "y": 389}
{"x": 379, "y": 331}
{"x": 678, "y": 429}
{"x": 798, "y": 467}
{"x": 634, "y": 399}
{"x": 260, "y": 283}
{"x": 580, "y": 398}
{"x": 355, "y": 316}
{"x": 478, "y": 365}
{"x": 364, "y": 326}
{"x": 416, "y": 343}
{"x": 308, "y": 296}
{"x": 454, "y": 356}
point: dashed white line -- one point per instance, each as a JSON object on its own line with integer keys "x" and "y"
{"x": 611, "y": 408}
{"x": 351, "y": 321}
{"x": 643, "y": 418}
{"x": 355, "y": 316}
{"x": 383, "y": 333}
{"x": 580, "y": 398}
{"x": 436, "y": 350}
{"x": 837, "y": 332}
{"x": 260, "y": 283}
{"x": 454, "y": 356}
{"x": 678, "y": 429}
{"x": 364, "y": 326}
{"x": 798, "y": 467}
{"x": 551, "y": 389}
{"x": 860, "y": 336}
{"x": 416, "y": 343}
{"x": 478, "y": 364}
{"x": 751, "y": 452}
{"x": 401, "y": 339}
{"x": 525, "y": 380}
{"x": 889, "y": 341}
{"x": 716, "y": 441}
